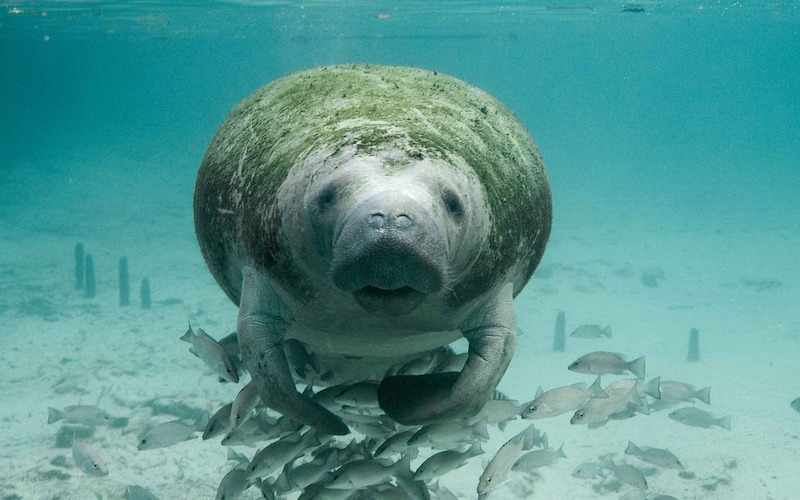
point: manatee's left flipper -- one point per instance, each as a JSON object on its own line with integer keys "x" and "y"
{"x": 491, "y": 332}
{"x": 263, "y": 321}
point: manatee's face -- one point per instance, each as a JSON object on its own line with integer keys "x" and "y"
{"x": 391, "y": 231}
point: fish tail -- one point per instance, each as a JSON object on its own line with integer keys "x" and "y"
{"x": 653, "y": 388}
{"x": 632, "y": 449}
{"x": 54, "y": 415}
{"x": 607, "y": 331}
{"x": 189, "y": 335}
{"x": 560, "y": 451}
{"x": 725, "y": 423}
{"x": 637, "y": 367}
{"x": 528, "y": 438}
{"x": 704, "y": 395}
{"x": 201, "y": 422}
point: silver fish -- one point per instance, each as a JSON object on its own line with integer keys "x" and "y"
{"x": 234, "y": 484}
{"x": 499, "y": 467}
{"x": 538, "y": 458}
{"x": 397, "y": 443}
{"x": 361, "y": 394}
{"x": 626, "y": 473}
{"x": 449, "y": 433}
{"x": 562, "y": 400}
{"x": 591, "y": 332}
{"x": 600, "y": 409}
{"x": 172, "y": 432}
{"x": 699, "y": 418}
{"x": 219, "y": 423}
{"x": 655, "y": 456}
{"x": 280, "y": 453}
{"x": 87, "y": 459}
{"x": 680, "y": 391}
{"x": 586, "y": 470}
{"x": 310, "y": 472}
{"x": 244, "y": 404}
{"x": 652, "y": 388}
{"x": 444, "y": 462}
{"x": 360, "y": 474}
{"x": 80, "y": 414}
{"x": 133, "y": 492}
{"x": 603, "y": 362}
{"x": 211, "y": 353}
{"x": 499, "y": 412}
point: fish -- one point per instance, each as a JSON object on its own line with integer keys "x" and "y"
{"x": 448, "y": 433}
{"x": 244, "y": 404}
{"x": 173, "y": 432}
{"x": 586, "y": 470}
{"x": 499, "y": 412}
{"x": 396, "y": 443}
{"x": 80, "y": 414}
{"x": 591, "y": 332}
{"x": 280, "y": 453}
{"x": 602, "y": 363}
{"x": 652, "y": 388}
{"x": 133, "y": 492}
{"x": 626, "y": 473}
{"x": 87, "y": 459}
{"x": 212, "y": 354}
{"x": 699, "y": 418}
{"x": 498, "y": 469}
{"x": 219, "y": 423}
{"x": 655, "y": 456}
{"x": 235, "y": 483}
{"x": 360, "y": 474}
{"x": 562, "y": 400}
{"x": 300, "y": 476}
{"x": 600, "y": 409}
{"x": 444, "y": 462}
{"x": 538, "y": 458}
{"x": 680, "y": 391}
{"x": 361, "y": 394}
{"x": 795, "y": 405}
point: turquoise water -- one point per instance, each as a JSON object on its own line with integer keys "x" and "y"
{"x": 671, "y": 134}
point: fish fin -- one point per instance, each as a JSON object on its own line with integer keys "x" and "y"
{"x": 637, "y": 367}
{"x": 607, "y": 331}
{"x": 724, "y": 422}
{"x": 529, "y": 438}
{"x": 54, "y": 415}
{"x": 596, "y": 390}
{"x": 560, "y": 451}
{"x": 704, "y": 395}
{"x": 201, "y": 422}
{"x": 653, "y": 387}
{"x": 189, "y": 335}
{"x": 539, "y": 392}
{"x": 475, "y": 449}
{"x": 632, "y": 449}
{"x": 479, "y": 428}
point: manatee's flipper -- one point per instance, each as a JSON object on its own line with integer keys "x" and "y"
{"x": 263, "y": 320}
{"x": 491, "y": 333}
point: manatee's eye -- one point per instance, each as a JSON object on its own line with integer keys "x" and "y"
{"x": 327, "y": 197}
{"x": 453, "y": 204}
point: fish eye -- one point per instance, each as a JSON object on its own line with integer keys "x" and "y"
{"x": 533, "y": 408}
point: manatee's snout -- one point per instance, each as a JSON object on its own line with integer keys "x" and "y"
{"x": 389, "y": 254}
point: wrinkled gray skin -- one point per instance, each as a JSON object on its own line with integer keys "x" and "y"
{"x": 374, "y": 214}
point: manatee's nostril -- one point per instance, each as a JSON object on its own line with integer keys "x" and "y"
{"x": 376, "y": 220}
{"x": 403, "y": 221}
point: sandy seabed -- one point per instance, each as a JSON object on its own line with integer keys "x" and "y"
{"x": 736, "y": 283}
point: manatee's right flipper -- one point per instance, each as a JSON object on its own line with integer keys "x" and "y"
{"x": 263, "y": 320}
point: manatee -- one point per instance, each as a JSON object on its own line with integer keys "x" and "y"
{"x": 375, "y": 214}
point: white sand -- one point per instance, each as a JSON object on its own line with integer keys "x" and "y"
{"x": 92, "y": 351}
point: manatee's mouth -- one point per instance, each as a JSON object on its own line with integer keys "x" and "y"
{"x": 389, "y": 302}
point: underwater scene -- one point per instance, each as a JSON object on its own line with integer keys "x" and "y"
{"x": 400, "y": 250}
